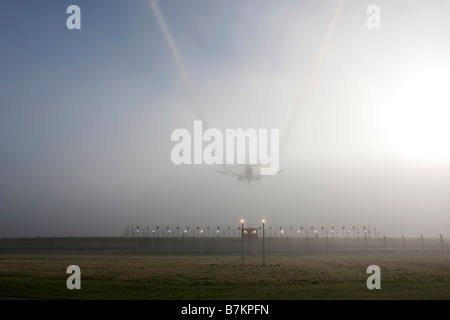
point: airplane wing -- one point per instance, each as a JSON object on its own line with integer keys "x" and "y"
{"x": 239, "y": 176}
{"x": 258, "y": 177}
{"x": 265, "y": 166}
{"x": 229, "y": 173}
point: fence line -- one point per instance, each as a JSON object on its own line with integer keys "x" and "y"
{"x": 220, "y": 245}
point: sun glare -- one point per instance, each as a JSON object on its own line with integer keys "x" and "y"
{"x": 417, "y": 120}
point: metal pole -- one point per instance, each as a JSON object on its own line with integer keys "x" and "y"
{"x": 242, "y": 242}
{"x": 442, "y": 242}
{"x": 346, "y": 248}
{"x": 264, "y": 249}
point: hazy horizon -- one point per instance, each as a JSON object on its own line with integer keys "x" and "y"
{"x": 86, "y": 116}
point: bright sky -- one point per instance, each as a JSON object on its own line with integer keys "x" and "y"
{"x": 86, "y": 115}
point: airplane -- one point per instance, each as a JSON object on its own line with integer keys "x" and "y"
{"x": 248, "y": 174}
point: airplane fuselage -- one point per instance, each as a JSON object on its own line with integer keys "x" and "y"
{"x": 248, "y": 174}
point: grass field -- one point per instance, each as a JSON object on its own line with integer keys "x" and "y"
{"x": 128, "y": 276}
